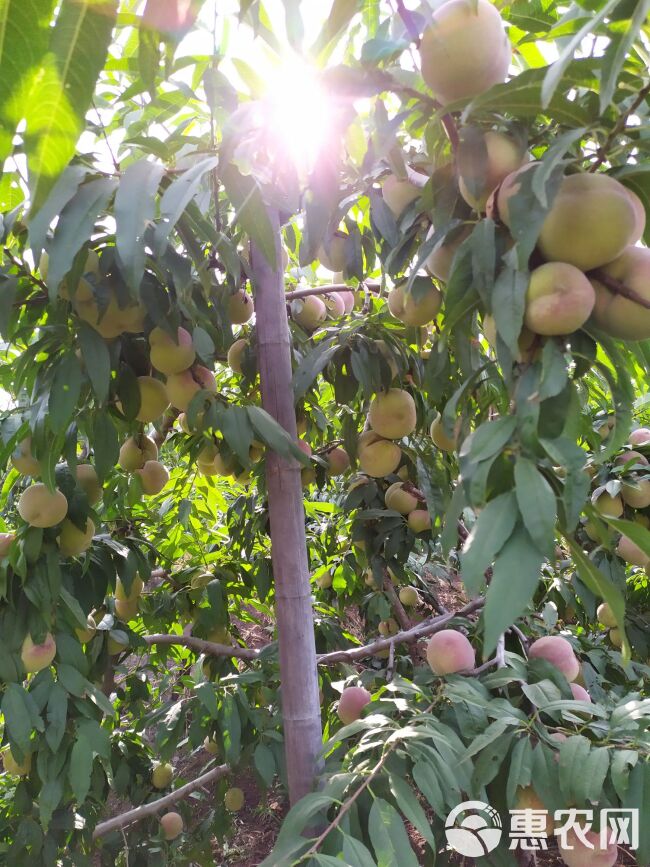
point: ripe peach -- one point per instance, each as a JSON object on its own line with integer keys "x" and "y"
{"x": 6, "y": 541}
{"x": 559, "y": 652}
{"x": 134, "y": 453}
{"x": 40, "y": 507}
{"x": 392, "y": 414}
{"x": 606, "y": 504}
{"x": 631, "y": 553}
{"x": 605, "y": 615}
{"x": 352, "y": 702}
{"x": 23, "y": 460}
{"x": 580, "y": 693}
{"x": 72, "y": 540}
{"x": 399, "y": 193}
{"x": 338, "y": 461}
{"x": 240, "y": 307}
{"x": 440, "y": 437}
{"x": 400, "y": 499}
{"x": 504, "y": 156}
{"x": 309, "y": 312}
{"x": 332, "y": 252}
{"x": 614, "y": 313}
{"x": 334, "y": 305}
{"x": 89, "y": 482}
{"x": 181, "y": 387}
{"x": 414, "y": 311}
{"x": 153, "y": 477}
{"x": 235, "y": 354}
{"x": 419, "y": 520}
{"x": 377, "y": 456}
{"x": 449, "y": 651}
{"x": 171, "y": 825}
{"x": 37, "y": 656}
{"x": 640, "y": 437}
{"x": 14, "y": 767}
{"x": 559, "y": 299}
{"x": 441, "y": 259}
{"x": 576, "y": 854}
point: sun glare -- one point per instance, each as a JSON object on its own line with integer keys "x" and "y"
{"x": 300, "y": 113}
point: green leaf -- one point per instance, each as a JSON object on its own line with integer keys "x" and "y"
{"x": 556, "y": 70}
{"x": 236, "y": 427}
{"x": 493, "y": 527}
{"x": 57, "y": 713}
{"x": 388, "y": 836}
{"x": 617, "y": 52}
{"x": 637, "y": 797}
{"x": 80, "y": 770}
{"x": 355, "y": 853}
{"x": 265, "y": 763}
{"x": 208, "y": 698}
{"x": 96, "y": 359}
{"x": 49, "y": 799}
{"x": 19, "y": 711}
{"x": 75, "y": 226}
{"x": 341, "y": 13}
{"x": 62, "y": 192}
{"x": 105, "y": 445}
{"x": 520, "y": 774}
{"x": 135, "y": 205}
{"x": 537, "y": 504}
{"x": 508, "y": 303}
{"x": 489, "y": 762}
{"x": 601, "y": 587}
{"x": 274, "y": 435}
{"x": 590, "y": 780}
{"x": 311, "y": 365}
{"x": 24, "y": 36}
{"x": 251, "y": 213}
{"x": 488, "y": 439}
{"x": 59, "y": 91}
{"x": 515, "y": 577}
{"x": 573, "y": 756}
{"x": 66, "y": 388}
{"x": 622, "y": 763}
{"x": 411, "y": 807}
{"x": 428, "y": 783}
{"x": 177, "y": 197}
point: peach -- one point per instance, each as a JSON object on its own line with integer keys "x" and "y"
{"x": 182, "y": 387}
{"x": 449, "y": 651}
{"x": 393, "y": 414}
{"x": 504, "y": 156}
{"x": 399, "y": 194}
{"x": 40, "y": 507}
{"x": 171, "y": 825}
{"x": 559, "y": 299}
{"x": 309, "y": 312}
{"x": 240, "y": 307}
{"x": 576, "y": 854}
{"x": 338, "y": 461}
{"x": 419, "y": 520}
{"x": 559, "y": 652}
{"x": 352, "y": 702}
{"x": 614, "y": 313}
{"x": 35, "y": 657}
{"x": 631, "y": 553}
{"x": 171, "y": 355}
{"x": 377, "y": 456}
{"x": 412, "y": 310}
{"x": 72, "y": 540}
{"x": 400, "y": 499}
{"x": 153, "y": 477}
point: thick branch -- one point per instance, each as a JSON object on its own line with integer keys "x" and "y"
{"x": 210, "y": 648}
{"x": 327, "y": 290}
{"x": 145, "y": 810}
{"x": 619, "y": 288}
{"x": 421, "y": 630}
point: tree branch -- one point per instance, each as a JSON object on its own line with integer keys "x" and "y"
{"x": 421, "y": 630}
{"x": 146, "y": 810}
{"x": 619, "y": 288}
{"x": 325, "y": 290}
{"x": 210, "y": 648}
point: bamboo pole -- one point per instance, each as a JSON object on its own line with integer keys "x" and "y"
{"x": 301, "y": 711}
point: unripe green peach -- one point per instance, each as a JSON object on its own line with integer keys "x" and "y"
{"x": 153, "y": 477}
{"x": 352, "y": 702}
{"x": 35, "y": 657}
{"x": 135, "y": 591}
{"x": 234, "y": 800}
{"x": 392, "y": 414}
{"x": 504, "y": 155}
{"x": 23, "y": 460}
{"x": 464, "y": 50}
{"x": 171, "y": 825}
{"x": 324, "y": 580}
{"x": 136, "y": 451}
{"x": 400, "y": 499}
{"x": 88, "y": 481}
{"x": 605, "y": 615}
{"x": 419, "y": 520}
{"x": 14, "y": 767}
{"x": 377, "y": 456}
{"x": 615, "y": 313}
{"x": 449, "y": 651}
{"x": 332, "y": 252}
{"x": 616, "y": 637}
{"x": 441, "y": 259}
{"x": 559, "y": 299}
{"x": 162, "y": 775}
{"x": 409, "y": 597}
{"x": 606, "y": 504}
{"x": 40, "y": 507}
{"x": 309, "y": 312}
{"x": 440, "y": 437}
{"x": 169, "y": 355}
{"x": 414, "y": 311}
{"x": 388, "y": 627}
{"x": 72, "y": 540}
{"x": 398, "y": 194}
{"x": 211, "y": 746}
{"x": 559, "y": 652}
{"x": 240, "y": 307}
{"x": 87, "y": 634}
{"x": 235, "y": 354}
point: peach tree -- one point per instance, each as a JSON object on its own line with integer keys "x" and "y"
{"x": 324, "y": 423}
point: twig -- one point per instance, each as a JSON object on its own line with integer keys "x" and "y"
{"x": 317, "y": 290}
{"x": 146, "y": 810}
{"x": 409, "y": 21}
{"x": 421, "y": 630}
{"x": 348, "y": 804}
{"x": 210, "y": 648}
{"x": 618, "y": 128}
{"x": 619, "y": 288}
{"x": 520, "y": 635}
{"x": 482, "y": 668}
{"x": 390, "y": 668}
{"x": 500, "y": 653}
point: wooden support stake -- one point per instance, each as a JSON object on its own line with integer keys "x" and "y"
{"x": 301, "y": 711}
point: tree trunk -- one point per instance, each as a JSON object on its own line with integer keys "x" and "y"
{"x": 301, "y": 711}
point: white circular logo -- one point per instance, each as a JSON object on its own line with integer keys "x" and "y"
{"x": 476, "y": 834}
